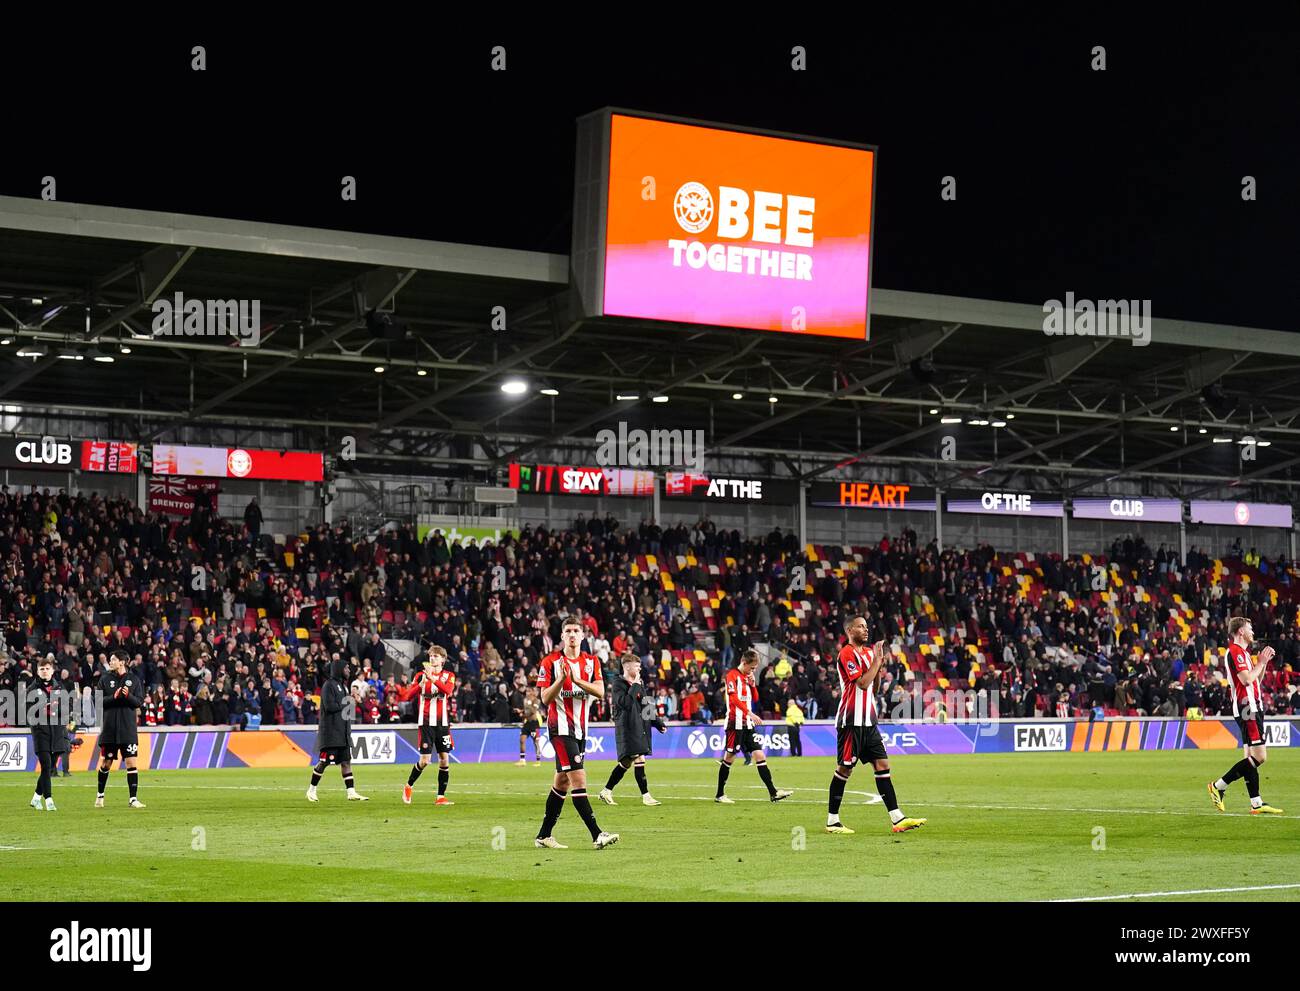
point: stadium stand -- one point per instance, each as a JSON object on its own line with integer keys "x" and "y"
{"x": 1015, "y": 634}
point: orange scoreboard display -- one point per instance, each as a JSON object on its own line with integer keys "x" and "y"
{"x": 691, "y": 223}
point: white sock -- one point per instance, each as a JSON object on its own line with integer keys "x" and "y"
{"x": 896, "y": 816}
{"x": 1221, "y": 785}
{"x": 352, "y": 791}
{"x": 1256, "y": 802}
{"x": 832, "y": 818}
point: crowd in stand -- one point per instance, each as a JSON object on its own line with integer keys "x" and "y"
{"x": 207, "y": 611}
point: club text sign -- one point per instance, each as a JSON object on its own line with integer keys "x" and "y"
{"x": 1135, "y": 508}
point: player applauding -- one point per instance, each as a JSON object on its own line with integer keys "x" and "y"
{"x": 857, "y": 736}
{"x": 434, "y": 688}
{"x": 569, "y": 679}
{"x": 1246, "y": 706}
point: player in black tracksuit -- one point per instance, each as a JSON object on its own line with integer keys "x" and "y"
{"x": 334, "y": 734}
{"x": 630, "y": 708}
{"x": 49, "y": 729}
{"x": 121, "y": 693}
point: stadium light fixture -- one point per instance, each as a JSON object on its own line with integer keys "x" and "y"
{"x": 550, "y": 392}
{"x": 514, "y": 387}
{"x": 659, "y": 399}
{"x": 934, "y": 411}
{"x": 999, "y": 423}
{"x": 951, "y": 419}
{"x": 37, "y": 300}
{"x": 1223, "y": 440}
{"x": 103, "y": 357}
{"x": 737, "y": 395}
{"x": 626, "y": 397}
{"x": 772, "y": 399}
{"x": 421, "y": 372}
{"x": 32, "y": 351}
{"x": 1011, "y": 416}
{"x": 124, "y": 349}
{"x": 1202, "y": 431}
{"x": 4, "y": 340}
{"x": 1264, "y": 443}
{"x": 1174, "y": 429}
{"x": 379, "y": 369}
{"x": 68, "y": 354}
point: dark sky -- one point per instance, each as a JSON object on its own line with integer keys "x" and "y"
{"x": 1122, "y": 183}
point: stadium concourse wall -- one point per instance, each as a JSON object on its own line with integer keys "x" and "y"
{"x": 194, "y": 747}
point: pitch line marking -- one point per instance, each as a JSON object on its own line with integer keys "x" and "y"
{"x": 1172, "y": 894}
{"x": 1062, "y": 808}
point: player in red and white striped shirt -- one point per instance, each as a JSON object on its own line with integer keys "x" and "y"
{"x": 742, "y": 696}
{"x": 568, "y": 679}
{"x": 857, "y": 736}
{"x": 433, "y": 688}
{"x": 1247, "y": 706}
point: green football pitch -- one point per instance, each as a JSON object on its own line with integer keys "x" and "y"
{"x": 1001, "y": 826}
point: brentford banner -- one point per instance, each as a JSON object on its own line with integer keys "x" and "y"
{"x": 173, "y": 495}
{"x": 238, "y": 462}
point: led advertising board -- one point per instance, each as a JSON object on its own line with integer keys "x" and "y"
{"x": 694, "y": 223}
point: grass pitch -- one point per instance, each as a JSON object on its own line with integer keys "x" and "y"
{"x": 1001, "y": 827}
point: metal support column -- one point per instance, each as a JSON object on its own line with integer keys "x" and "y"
{"x": 938, "y": 519}
{"x": 803, "y": 516}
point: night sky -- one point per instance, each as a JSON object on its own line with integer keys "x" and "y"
{"x": 1123, "y": 183}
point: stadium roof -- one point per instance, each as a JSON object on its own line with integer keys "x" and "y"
{"x": 1078, "y": 411}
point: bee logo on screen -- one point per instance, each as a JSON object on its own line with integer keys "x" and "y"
{"x": 693, "y": 207}
{"x": 777, "y": 219}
